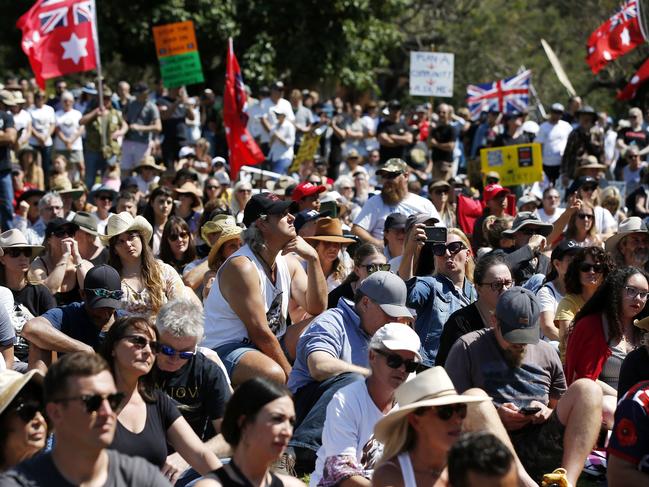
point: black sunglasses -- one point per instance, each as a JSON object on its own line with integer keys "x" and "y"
{"x": 26, "y": 410}
{"x": 175, "y": 236}
{"x": 372, "y": 268}
{"x": 499, "y": 285}
{"x": 441, "y": 191}
{"x": 172, "y": 352}
{"x": 588, "y": 188}
{"x": 64, "y": 232}
{"x": 27, "y": 252}
{"x": 105, "y": 293}
{"x": 586, "y": 267}
{"x": 395, "y": 361}
{"x": 105, "y": 197}
{"x": 453, "y": 248}
{"x": 391, "y": 175}
{"x": 529, "y": 231}
{"x": 140, "y": 342}
{"x": 446, "y": 412}
{"x": 584, "y": 216}
{"x": 93, "y": 402}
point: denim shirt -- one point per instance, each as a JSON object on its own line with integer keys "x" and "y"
{"x": 435, "y": 298}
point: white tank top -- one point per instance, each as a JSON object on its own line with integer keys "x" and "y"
{"x": 406, "y": 470}
{"x": 222, "y": 325}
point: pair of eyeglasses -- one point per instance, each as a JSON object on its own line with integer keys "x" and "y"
{"x": 25, "y": 251}
{"x": 172, "y": 352}
{"x": 141, "y": 342}
{"x": 446, "y": 412}
{"x": 632, "y": 293}
{"x": 64, "y": 232}
{"x": 585, "y": 216}
{"x": 588, "y": 188}
{"x": 499, "y": 285}
{"x": 453, "y": 248}
{"x": 441, "y": 191}
{"x": 372, "y": 268}
{"x": 586, "y": 267}
{"x": 105, "y": 197}
{"x": 93, "y": 402}
{"x": 175, "y": 236}
{"x": 26, "y": 410}
{"x": 106, "y": 293}
{"x": 391, "y": 175}
{"x": 395, "y": 361}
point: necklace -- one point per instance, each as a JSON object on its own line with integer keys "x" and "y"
{"x": 138, "y": 294}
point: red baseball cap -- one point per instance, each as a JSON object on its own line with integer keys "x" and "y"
{"x": 304, "y": 190}
{"x": 492, "y": 191}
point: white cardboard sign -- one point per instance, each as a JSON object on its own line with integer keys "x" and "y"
{"x": 431, "y": 74}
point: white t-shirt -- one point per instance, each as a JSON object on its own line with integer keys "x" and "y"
{"x": 604, "y": 221}
{"x": 631, "y": 178}
{"x": 279, "y": 150}
{"x": 21, "y": 119}
{"x": 349, "y": 429}
{"x": 68, "y": 124}
{"x": 548, "y": 297}
{"x": 553, "y": 137}
{"x": 545, "y": 218}
{"x": 372, "y": 216}
{"x": 43, "y": 119}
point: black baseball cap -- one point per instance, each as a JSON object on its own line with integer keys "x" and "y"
{"x": 103, "y": 287}
{"x": 305, "y": 216}
{"x": 57, "y": 223}
{"x": 395, "y": 220}
{"x": 563, "y": 248}
{"x": 266, "y": 204}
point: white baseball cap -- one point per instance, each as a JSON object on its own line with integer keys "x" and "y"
{"x": 397, "y": 336}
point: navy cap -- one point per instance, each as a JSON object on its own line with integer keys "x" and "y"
{"x": 518, "y": 313}
{"x": 395, "y": 220}
{"x": 306, "y": 216}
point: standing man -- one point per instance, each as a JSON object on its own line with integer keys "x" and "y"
{"x": 174, "y": 110}
{"x": 8, "y": 136}
{"x": 553, "y": 137}
{"x": 393, "y": 134}
{"x": 82, "y": 401}
{"x": 143, "y": 119}
{"x": 584, "y": 140}
{"x": 43, "y": 125}
{"x": 442, "y": 143}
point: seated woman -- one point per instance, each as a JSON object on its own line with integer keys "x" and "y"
{"x": 177, "y": 244}
{"x": 23, "y": 430}
{"x": 157, "y": 211}
{"x": 258, "y": 424}
{"x": 61, "y": 268}
{"x": 603, "y": 333}
{"x": 419, "y": 434}
{"x": 147, "y": 283}
{"x": 148, "y": 419}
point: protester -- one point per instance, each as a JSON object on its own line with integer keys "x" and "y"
{"x": 553, "y": 136}
{"x": 438, "y": 193}
{"x": 68, "y": 139}
{"x": 328, "y": 242}
{"x": 103, "y": 197}
{"x": 630, "y": 244}
{"x": 159, "y": 208}
{"x": 50, "y": 206}
{"x": 189, "y": 196}
{"x": 90, "y": 248}
{"x": 177, "y": 244}
{"x": 143, "y": 119}
{"x": 43, "y": 126}
{"x": 550, "y": 210}
{"x": 496, "y": 202}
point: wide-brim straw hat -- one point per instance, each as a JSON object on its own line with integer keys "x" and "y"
{"x": 633, "y": 224}
{"x": 190, "y": 188}
{"x": 12, "y": 382}
{"x": 124, "y": 222}
{"x": 432, "y": 387}
{"x": 229, "y": 232}
{"x": 215, "y": 225}
{"x": 330, "y": 230}
{"x": 149, "y": 161}
{"x": 15, "y": 239}
{"x": 590, "y": 162}
{"x": 64, "y": 188}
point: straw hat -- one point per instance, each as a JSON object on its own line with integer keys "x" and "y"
{"x": 633, "y": 224}
{"x": 432, "y": 387}
{"x": 330, "y": 230}
{"x": 215, "y": 225}
{"x": 149, "y": 161}
{"x": 228, "y": 232}
{"x": 190, "y": 188}
{"x": 15, "y": 239}
{"x": 64, "y": 188}
{"x": 12, "y": 382}
{"x": 124, "y": 222}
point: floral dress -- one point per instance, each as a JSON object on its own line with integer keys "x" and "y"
{"x": 134, "y": 302}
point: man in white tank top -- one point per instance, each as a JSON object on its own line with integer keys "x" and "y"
{"x": 245, "y": 312}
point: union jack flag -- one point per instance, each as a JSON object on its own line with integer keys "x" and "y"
{"x": 506, "y": 95}
{"x": 58, "y": 16}
{"x": 626, "y": 12}
{"x": 82, "y": 12}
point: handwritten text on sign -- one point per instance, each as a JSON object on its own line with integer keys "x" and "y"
{"x": 431, "y": 74}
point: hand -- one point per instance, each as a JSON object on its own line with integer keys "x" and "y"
{"x": 101, "y": 110}
{"x": 22, "y": 209}
{"x": 115, "y": 135}
{"x": 565, "y": 180}
{"x": 66, "y": 246}
{"x": 575, "y": 206}
{"x": 512, "y": 419}
{"x": 543, "y": 415}
{"x": 174, "y": 466}
{"x": 74, "y": 250}
{"x": 415, "y": 237}
{"x": 68, "y": 145}
{"x": 536, "y": 243}
{"x": 135, "y": 126}
{"x": 301, "y": 248}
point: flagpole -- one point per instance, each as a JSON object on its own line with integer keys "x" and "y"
{"x": 100, "y": 78}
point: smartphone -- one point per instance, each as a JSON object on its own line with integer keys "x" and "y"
{"x": 435, "y": 234}
{"x": 528, "y": 411}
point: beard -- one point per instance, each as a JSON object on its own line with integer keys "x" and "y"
{"x": 514, "y": 358}
{"x": 393, "y": 194}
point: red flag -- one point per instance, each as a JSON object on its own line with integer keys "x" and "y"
{"x": 615, "y": 37}
{"x": 631, "y": 89}
{"x": 243, "y": 148}
{"x": 58, "y": 37}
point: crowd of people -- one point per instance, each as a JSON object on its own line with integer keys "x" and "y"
{"x": 379, "y": 314}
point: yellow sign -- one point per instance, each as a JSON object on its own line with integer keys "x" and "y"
{"x": 308, "y": 148}
{"x": 174, "y": 39}
{"x": 516, "y": 164}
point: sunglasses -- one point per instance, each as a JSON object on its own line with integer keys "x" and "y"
{"x": 588, "y": 188}
{"x": 528, "y": 231}
{"x": 26, "y": 410}
{"x": 632, "y": 293}
{"x": 596, "y": 268}
{"x": 584, "y": 216}
{"x": 395, "y": 361}
{"x": 391, "y": 175}
{"x": 446, "y": 412}
{"x": 27, "y": 252}
{"x": 372, "y": 268}
{"x": 105, "y": 197}
{"x": 140, "y": 342}
{"x": 453, "y": 248}
{"x": 94, "y": 401}
{"x": 105, "y": 293}
{"x": 499, "y": 285}
{"x": 64, "y": 232}
{"x": 441, "y": 191}
{"x": 212, "y": 187}
{"x": 172, "y": 352}
{"x": 176, "y": 236}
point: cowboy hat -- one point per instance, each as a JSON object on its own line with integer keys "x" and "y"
{"x": 528, "y": 219}
{"x": 432, "y": 387}
{"x": 64, "y": 188}
{"x": 330, "y": 230}
{"x": 589, "y": 162}
{"x": 15, "y": 239}
{"x": 124, "y": 222}
{"x": 215, "y": 225}
{"x": 190, "y": 188}
{"x": 633, "y": 224}
{"x": 12, "y": 382}
{"x": 149, "y": 161}
{"x": 228, "y": 232}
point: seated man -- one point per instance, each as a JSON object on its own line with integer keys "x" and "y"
{"x": 548, "y": 425}
{"x": 628, "y": 449}
{"x": 193, "y": 380}
{"x": 66, "y": 329}
{"x": 349, "y": 450}
{"x": 333, "y": 352}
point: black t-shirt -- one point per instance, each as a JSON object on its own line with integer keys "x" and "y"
{"x": 123, "y": 471}
{"x": 174, "y": 128}
{"x": 31, "y": 301}
{"x": 638, "y": 137}
{"x": 635, "y": 368}
{"x": 443, "y": 134}
{"x": 343, "y": 291}
{"x": 101, "y": 259}
{"x": 231, "y": 476}
{"x": 392, "y": 128}
{"x": 463, "y": 321}
{"x": 151, "y": 442}
{"x": 6, "y": 122}
{"x": 505, "y": 139}
{"x": 201, "y": 391}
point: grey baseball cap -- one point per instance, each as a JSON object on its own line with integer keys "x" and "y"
{"x": 518, "y": 313}
{"x": 86, "y": 222}
{"x": 388, "y": 291}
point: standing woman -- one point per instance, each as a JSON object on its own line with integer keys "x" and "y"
{"x": 158, "y": 210}
{"x": 177, "y": 246}
{"x": 438, "y": 194}
{"x": 147, "y": 283}
{"x": 258, "y": 424}
{"x": 148, "y": 419}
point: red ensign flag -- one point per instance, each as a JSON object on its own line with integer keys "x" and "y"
{"x": 58, "y": 38}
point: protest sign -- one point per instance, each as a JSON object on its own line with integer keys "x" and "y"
{"x": 177, "y": 50}
{"x": 516, "y": 164}
{"x": 307, "y": 151}
{"x": 431, "y": 74}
